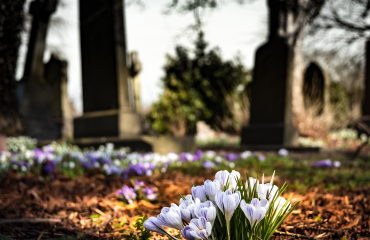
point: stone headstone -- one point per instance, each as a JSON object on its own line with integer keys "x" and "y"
{"x": 62, "y": 114}
{"x": 271, "y": 109}
{"x": 365, "y": 118}
{"x": 35, "y": 94}
{"x": 106, "y": 105}
{"x": 135, "y": 69}
{"x": 315, "y": 89}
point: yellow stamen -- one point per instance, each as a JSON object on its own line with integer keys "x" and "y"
{"x": 200, "y": 229}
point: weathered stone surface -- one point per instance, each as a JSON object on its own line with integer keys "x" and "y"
{"x": 271, "y": 109}
{"x": 365, "y": 118}
{"x": 62, "y": 110}
{"x": 135, "y": 69}
{"x": 106, "y": 100}
{"x": 34, "y": 93}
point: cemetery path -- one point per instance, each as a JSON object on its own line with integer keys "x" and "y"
{"x": 35, "y": 208}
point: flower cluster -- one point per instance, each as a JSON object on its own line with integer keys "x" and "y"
{"x": 138, "y": 192}
{"x": 225, "y": 208}
{"x": 327, "y": 163}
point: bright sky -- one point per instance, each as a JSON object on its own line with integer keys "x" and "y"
{"x": 233, "y": 27}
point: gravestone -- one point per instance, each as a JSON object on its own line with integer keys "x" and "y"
{"x": 271, "y": 114}
{"x": 316, "y": 89}
{"x": 56, "y": 76}
{"x": 135, "y": 69}
{"x": 365, "y": 118}
{"x": 107, "y": 109}
{"x": 34, "y": 93}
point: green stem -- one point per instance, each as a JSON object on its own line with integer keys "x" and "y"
{"x": 228, "y": 230}
{"x": 219, "y": 219}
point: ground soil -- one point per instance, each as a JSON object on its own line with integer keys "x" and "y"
{"x": 321, "y": 214}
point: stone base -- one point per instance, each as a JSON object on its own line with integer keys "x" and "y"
{"x": 268, "y": 134}
{"x": 144, "y": 143}
{"x": 107, "y": 124}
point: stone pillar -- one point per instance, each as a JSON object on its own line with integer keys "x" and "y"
{"x": 56, "y": 76}
{"x": 34, "y": 93}
{"x": 106, "y": 105}
{"x": 136, "y": 67}
{"x": 278, "y": 73}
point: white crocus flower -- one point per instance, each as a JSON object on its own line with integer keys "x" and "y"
{"x": 245, "y": 154}
{"x": 265, "y": 190}
{"x": 171, "y": 217}
{"x": 201, "y": 229}
{"x": 227, "y": 202}
{"x": 211, "y": 189}
{"x": 199, "y": 192}
{"x": 225, "y": 177}
{"x": 152, "y": 224}
{"x": 206, "y": 210}
{"x": 255, "y": 211}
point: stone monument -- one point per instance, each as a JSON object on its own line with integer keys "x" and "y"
{"x": 135, "y": 69}
{"x": 365, "y": 118}
{"x": 107, "y": 109}
{"x": 271, "y": 109}
{"x": 62, "y": 115}
{"x": 34, "y": 93}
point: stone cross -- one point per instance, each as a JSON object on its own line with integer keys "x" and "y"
{"x": 135, "y": 69}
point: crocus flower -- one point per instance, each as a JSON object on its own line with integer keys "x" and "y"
{"x": 152, "y": 224}
{"x": 266, "y": 190}
{"x": 283, "y": 152}
{"x": 128, "y": 193}
{"x": 49, "y": 167}
{"x": 227, "y": 202}
{"x": 231, "y": 157}
{"x": 336, "y": 164}
{"x": 211, "y": 154}
{"x": 171, "y": 217}
{"x": 245, "y": 154}
{"x": 208, "y": 164}
{"x": 199, "y": 192}
{"x": 201, "y": 229}
{"x": 262, "y": 158}
{"x": 185, "y": 233}
{"x": 206, "y": 210}
{"x": 149, "y": 193}
{"x": 254, "y": 211}
{"x": 280, "y": 202}
{"x": 225, "y": 177}
{"x": 211, "y": 189}
{"x": 138, "y": 184}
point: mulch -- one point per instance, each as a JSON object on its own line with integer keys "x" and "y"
{"x": 38, "y": 209}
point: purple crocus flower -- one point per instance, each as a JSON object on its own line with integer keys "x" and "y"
{"x": 199, "y": 153}
{"x": 149, "y": 193}
{"x": 49, "y": 168}
{"x": 138, "y": 184}
{"x": 106, "y": 160}
{"x": 208, "y": 164}
{"x": 128, "y": 193}
{"x": 262, "y": 158}
{"x": 231, "y": 157}
{"x": 182, "y": 157}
